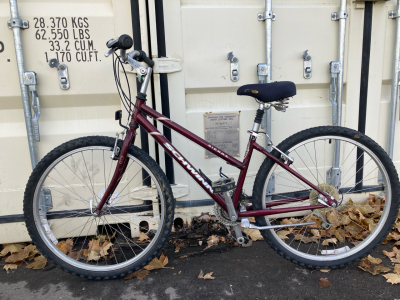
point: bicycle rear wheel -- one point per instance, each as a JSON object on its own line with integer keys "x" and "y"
{"x": 366, "y": 187}
{"x": 65, "y": 188}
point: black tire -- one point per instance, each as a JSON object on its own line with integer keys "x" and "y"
{"x": 149, "y": 251}
{"x": 282, "y": 246}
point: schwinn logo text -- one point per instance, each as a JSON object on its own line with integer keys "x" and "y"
{"x": 219, "y": 151}
{"x": 189, "y": 167}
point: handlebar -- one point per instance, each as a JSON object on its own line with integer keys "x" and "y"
{"x": 123, "y": 42}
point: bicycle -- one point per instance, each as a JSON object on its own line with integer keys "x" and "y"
{"x": 102, "y": 208}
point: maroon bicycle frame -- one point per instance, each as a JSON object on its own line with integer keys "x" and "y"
{"x": 138, "y": 118}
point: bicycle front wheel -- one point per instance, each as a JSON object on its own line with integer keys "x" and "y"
{"x": 363, "y": 180}
{"x": 65, "y": 188}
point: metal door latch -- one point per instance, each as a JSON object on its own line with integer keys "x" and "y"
{"x": 234, "y": 66}
{"x": 307, "y": 65}
{"x": 334, "y": 69}
{"x": 30, "y": 80}
{"x": 62, "y": 73}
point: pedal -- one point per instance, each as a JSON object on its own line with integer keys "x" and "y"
{"x": 223, "y": 185}
{"x": 208, "y": 180}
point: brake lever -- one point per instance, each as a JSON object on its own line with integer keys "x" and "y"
{"x": 109, "y": 52}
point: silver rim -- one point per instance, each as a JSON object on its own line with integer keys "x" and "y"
{"x": 108, "y": 220}
{"x": 315, "y": 171}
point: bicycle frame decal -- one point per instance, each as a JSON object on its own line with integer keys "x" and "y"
{"x": 138, "y": 118}
{"x": 189, "y": 167}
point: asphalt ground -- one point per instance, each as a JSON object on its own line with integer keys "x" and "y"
{"x": 256, "y": 272}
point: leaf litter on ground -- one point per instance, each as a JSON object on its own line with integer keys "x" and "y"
{"x": 156, "y": 263}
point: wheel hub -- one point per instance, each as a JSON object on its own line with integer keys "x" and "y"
{"x": 328, "y": 188}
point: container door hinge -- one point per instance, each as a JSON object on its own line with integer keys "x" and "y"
{"x": 335, "y": 69}
{"x": 23, "y": 24}
{"x": 62, "y": 73}
{"x": 30, "y": 80}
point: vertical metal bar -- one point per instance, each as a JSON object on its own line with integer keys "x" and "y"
{"x": 362, "y": 115}
{"x": 24, "y": 89}
{"x": 165, "y": 107}
{"x": 137, "y": 44}
{"x": 395, "y": 87}
{"x": 334, "y": 174}
{"x": 264, "y": 72}
{"x": 268, "y": 60}
{"x": 339, "y": 95}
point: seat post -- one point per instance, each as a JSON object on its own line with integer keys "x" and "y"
{"x": 258, "y": 118}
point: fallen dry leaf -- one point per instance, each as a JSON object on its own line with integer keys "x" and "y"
{"x": 211, "y": 241}
{"x": 376, "y": 269}
{"x": 282, "y": 234}
{"x": 93, "y": 255}
{"x": 389, "y": 254}
{"x": 324, "y": 283}
{"x": 105, "y": 237}
{"x": 158, "y": 263}
{"x": 327, "y": 241}
{"x": 254, "y": 234}
{"x": 77, "y": 255}
{"x": 104, "y": 249}
{"x": 396, "y": 268}
{"x": 208, "y": 276}
{"x": 139, "y": 274}
{"x": 324, "y": 270}
{"x": 143, "y": 237}
{"x": 11, "y": 248}
{"x": 201, "y": 275}
{"x": 10, "y": 267}
{"x": 392, "y": 278}
{"x": 394, "y": 260}
{"x": 28, "y": 251}
{"x": 305, "y": 239}
{"x": 94, "y": 245}
{"x": 365, "y": 263}
{"x": 65, "y": 246}
{"x": 373, "y": 260}
{"x": 39, "y": 263}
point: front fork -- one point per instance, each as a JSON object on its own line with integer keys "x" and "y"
{"x": 120, "y": 169}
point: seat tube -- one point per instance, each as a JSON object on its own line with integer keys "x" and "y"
{"x": 258, "y": 118}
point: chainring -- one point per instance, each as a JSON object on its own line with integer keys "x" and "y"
{"x": 222, "y": 216}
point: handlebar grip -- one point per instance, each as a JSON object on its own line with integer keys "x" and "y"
{"x": 148, "y": 61}
{"x": 123, "y": 42}
{"x": 143, "y": 57}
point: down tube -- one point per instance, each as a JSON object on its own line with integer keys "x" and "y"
{"x": 180, "y": 159}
